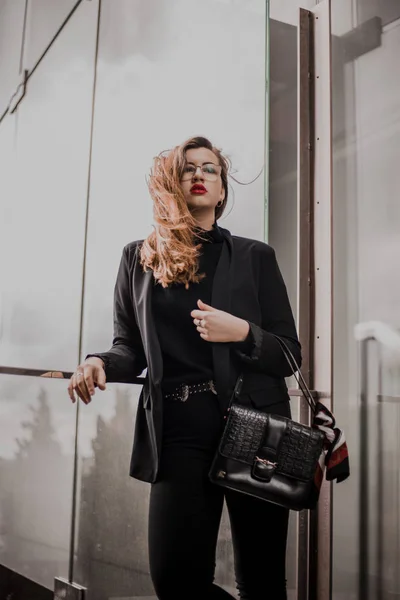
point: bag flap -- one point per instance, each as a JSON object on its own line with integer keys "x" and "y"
{"x": 299, "y": 450}
{"x": 295, "y": 448}
{"x": 243, "y": 434}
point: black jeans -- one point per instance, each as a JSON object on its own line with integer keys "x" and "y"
{"x": 185, "y": 513}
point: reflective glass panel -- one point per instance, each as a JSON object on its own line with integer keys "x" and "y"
{"x": 156, "y": 88}
{"x": 366, "y": 226}
{"x": 44, "y": 18}
{"x": 45, "y": 205}
{"x": 11, "y": 34}
{"x": 37, "y": 427}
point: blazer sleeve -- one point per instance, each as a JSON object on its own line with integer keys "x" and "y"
{"x": 126, "y": 359}
{"x": 261, "y": 350}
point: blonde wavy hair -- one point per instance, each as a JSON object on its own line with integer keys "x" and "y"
{"x": 170, "y": 250}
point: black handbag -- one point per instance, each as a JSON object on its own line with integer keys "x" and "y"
{"x": 269, "y": 456}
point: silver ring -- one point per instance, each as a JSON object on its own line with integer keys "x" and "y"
{"x": 79, "y": 373}
{"x": 196, "y": 322}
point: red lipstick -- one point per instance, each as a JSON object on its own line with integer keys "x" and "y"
{"x": 198, "y": 189}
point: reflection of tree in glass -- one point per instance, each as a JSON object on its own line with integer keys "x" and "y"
{"x": 40, "y": 429}
{"x": 37, "y": 507}
{"x": 112, "y": 537}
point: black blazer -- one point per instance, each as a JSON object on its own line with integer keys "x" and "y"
{"x": 247, "y": 284}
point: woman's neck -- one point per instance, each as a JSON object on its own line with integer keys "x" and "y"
{"x": 205, "y": 223}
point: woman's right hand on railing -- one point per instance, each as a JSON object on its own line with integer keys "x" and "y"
{"x": 88, "y": 375}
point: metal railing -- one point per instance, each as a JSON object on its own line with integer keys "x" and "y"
{"x": 387, "y": 339}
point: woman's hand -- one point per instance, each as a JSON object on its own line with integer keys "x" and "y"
{"x": 218, "y": 326}
{"x": 88, "y": 375}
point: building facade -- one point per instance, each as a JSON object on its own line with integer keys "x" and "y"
{"x": 304, "y": 97}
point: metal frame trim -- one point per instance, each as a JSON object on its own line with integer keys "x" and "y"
{"x": 323, "y": 338}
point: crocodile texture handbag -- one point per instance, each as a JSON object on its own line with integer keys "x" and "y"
{"x": 269, "y": 456}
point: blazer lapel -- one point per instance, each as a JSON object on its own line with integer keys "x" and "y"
{"x": 142, "y": 284}
{"x": 142, "y": 288}
{"x": 220, "y": 299}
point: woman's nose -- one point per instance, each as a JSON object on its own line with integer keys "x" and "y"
{"x": 198, "y": 174}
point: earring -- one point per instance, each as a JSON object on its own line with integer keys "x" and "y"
{"x": 220, "y": 203}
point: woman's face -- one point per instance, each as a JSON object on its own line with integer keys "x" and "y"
{"x": 202, "y": 187}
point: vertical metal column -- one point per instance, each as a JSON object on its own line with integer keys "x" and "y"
{"x": 321, "y": 589}
{"x": 363, "y": 587}
{"x": 364, "y": 591}
{"x": 315, "y": 284}
{"x": 306, "y": 520}
{"x": 380, "y": 486}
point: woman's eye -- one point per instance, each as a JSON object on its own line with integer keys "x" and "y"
{"x": 188, "y": 169}
{"x": 209, "y": 169}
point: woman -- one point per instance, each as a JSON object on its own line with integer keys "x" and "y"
{"x": 197, "y": 307}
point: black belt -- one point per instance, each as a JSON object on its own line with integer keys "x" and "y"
{"x": 183, "y": 391}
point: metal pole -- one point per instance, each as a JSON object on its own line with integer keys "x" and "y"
{"x": 380, "y": 484}
{"x": 363, "y": 588}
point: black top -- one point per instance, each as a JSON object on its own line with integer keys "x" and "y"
{"x": 187, "y": 358}
{"x": 256, "y": 292}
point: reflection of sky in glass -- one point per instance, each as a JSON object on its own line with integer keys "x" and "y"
{"x": 43, "y": 20}
{"x": 165, "y": 72}
{"x": 11, "y": 12}
{"x": 45, "y": 202}
{"x": 151, "y": 97}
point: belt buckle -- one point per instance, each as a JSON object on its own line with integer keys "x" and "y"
{"x": 212, "y": 387}
{"x": 184, "y": 393}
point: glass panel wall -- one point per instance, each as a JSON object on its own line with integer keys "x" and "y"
{"x": 44, "y": 18}
{"x": 45, "y": 204}
{"x": 111, "y": 522}
{"x": 44, "y": 151}
{"x": 7, "y": 160}
{"x": 144, "y": 104}
{"x": 37, "y": 432}
{"x": 11, "y": 33}
{"x": 155, "y": 88}
{"x": 366, "y": 225}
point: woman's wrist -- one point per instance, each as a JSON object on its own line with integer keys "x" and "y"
{"x": 244, "y": 331}
{"x": 96, "y": 361}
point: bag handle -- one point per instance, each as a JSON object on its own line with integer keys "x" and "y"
{"x": 295, "y": 371}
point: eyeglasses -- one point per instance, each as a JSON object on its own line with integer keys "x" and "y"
{"x": 210, "y": 171}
